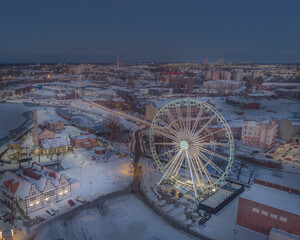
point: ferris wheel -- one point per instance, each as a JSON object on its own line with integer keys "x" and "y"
{"x": 192, "y": 145}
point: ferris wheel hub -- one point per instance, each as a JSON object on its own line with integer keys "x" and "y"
{"x": 184, "y": 145}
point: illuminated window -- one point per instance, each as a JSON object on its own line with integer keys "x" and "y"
{"x": 273, "y": 216}
{"x": 265, "y": 213}
{"x": 255, "y": 210}
{"x": 283, "y": 219}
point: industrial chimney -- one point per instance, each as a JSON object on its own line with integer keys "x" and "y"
{"x": 35, "y": 131}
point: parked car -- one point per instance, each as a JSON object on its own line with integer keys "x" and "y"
{"x": 80, "y": 199}
{"x": 50, "y": 212}
{"x": 71, "y": 203}
{"x": 268, "y": 156}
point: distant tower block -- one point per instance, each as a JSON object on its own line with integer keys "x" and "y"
{"x": 35, "y": 131}
{"x": 118, "y": 62}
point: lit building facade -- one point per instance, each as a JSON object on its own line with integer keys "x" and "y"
{"x": 31, "y": 189}
{"x": 259, "y": 134}
{"x": 268, "y": 205}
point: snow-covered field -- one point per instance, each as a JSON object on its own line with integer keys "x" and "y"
{"x": 279, "y": 109}
{"x": 122, "y": 218}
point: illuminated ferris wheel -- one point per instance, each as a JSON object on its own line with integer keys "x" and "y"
{"x": 192, "y": 145}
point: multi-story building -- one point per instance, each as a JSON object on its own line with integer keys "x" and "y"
{"x": 259, "y": 134}
{"x": 221, "y": 86}
{"x": 31, "y": 189}
{"x": 238, "y": 76}
{"x": 212, "y": 75}
{"x": 225, "y": 75}
{"x": 270, "y": 203}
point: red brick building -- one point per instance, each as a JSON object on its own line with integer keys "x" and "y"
{"x": 263, "y": 207}
{"x": 84, "y": 141}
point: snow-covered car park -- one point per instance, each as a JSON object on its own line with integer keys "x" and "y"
{"x": 285, "y": 153}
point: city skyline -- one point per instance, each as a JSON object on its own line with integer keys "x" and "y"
{"x": 73, "y": 31}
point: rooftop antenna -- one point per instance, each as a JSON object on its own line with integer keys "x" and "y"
{"x": 206, "y": 58}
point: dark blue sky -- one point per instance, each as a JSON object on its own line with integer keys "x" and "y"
{"x": 156, "y": 30}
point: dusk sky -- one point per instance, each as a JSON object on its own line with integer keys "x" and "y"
{"x": 137, "y": 31}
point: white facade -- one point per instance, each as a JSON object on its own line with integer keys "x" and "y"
{"x": 225, "y": 75}
{"x": 259, "y": 134}
{"x": 238, "y": 76}
{"x": 32, "y": 189}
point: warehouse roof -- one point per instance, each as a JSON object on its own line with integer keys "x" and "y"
{"x": 282, "y": 200}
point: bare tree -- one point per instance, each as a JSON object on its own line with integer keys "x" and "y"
{"x": 242, "y": 165}
{"x": 112, "y": 125}
{"x": 251, "y": 174}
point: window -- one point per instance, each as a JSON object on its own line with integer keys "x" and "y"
{"x": 49, "y": 194}
{"x": 283, "y": 219}
{"x": 255, "y": 210}
{"x": 273, "y": 216}
{"x": 265, "y": 213}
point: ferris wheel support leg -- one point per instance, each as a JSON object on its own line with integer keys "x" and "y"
{"x": 178, "y": 154}
{"x": 192, "y": 177}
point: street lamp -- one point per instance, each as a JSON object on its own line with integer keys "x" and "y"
{"x": 90, "y": 185}
{"x": 235, "y": 232}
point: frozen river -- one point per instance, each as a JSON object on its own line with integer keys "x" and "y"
{"x": 11, "y": 117}
{"x": 123, "y": 218}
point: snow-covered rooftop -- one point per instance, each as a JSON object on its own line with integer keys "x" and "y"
{"x": 274, "y": 198}
{"x": 54, "y": 143}
{"x": 15, "y": 185}
{"x": 280, "y": 181}
{"x": 80, "y": 137}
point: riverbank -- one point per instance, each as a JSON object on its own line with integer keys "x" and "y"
{"x": 16, "y": 132}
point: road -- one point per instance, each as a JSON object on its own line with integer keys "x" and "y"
{"x": 120, "y": 114}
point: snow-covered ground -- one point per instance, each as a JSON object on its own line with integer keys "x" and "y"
{"x": 279, "y": 109}
{"x": 220, "y": 226}
{"x": 122, "y": 218}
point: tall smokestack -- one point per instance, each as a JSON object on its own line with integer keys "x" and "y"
{"x": 35, "y": 131}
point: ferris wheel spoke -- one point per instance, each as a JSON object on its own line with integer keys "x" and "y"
{"x": 214, "y": 143}
{"x": 171, "y": 130}
{"x": 173, "y": 161}
{"x": 195, "y": 171}
{"x": 199, "y": 139}
{"x": 188, "y": 119}
{"x": 205, "y": 125}
{"x": 191, "y": 173}
{"x": 173, "y": 120}
{"x": 194, "y": 156}
{"x": 163, "y": 133}
{"x": 178, "y": 111}
{"x": 172, "y": 150}
{"x": 203, "y": 169}
{"x": 196, "y": 122}
{"x": 166, "y": 144}
{"x": 211, "y": 163}
{"x": 201, "y": 149}
{"x": 178, "y": 166}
